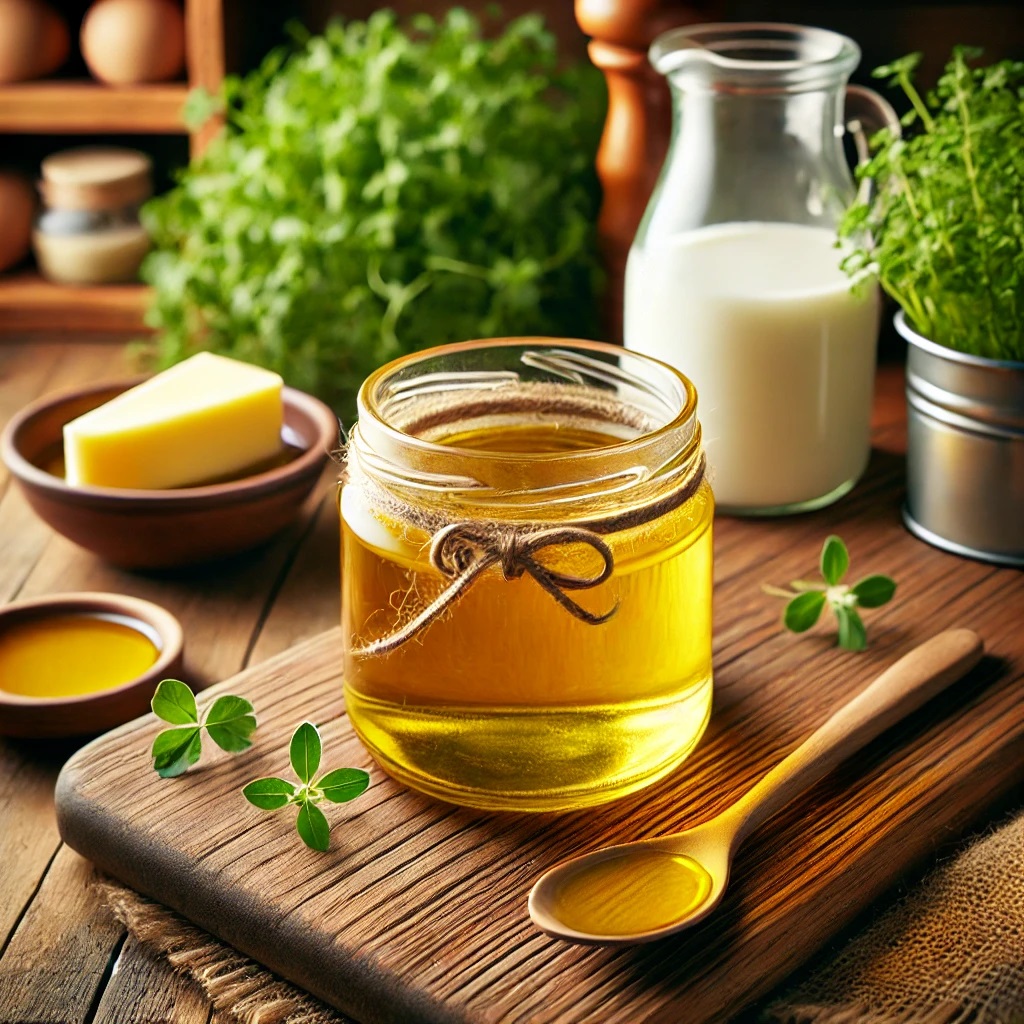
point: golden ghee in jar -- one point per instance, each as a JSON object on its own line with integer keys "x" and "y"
{"x": 526, "y": 572}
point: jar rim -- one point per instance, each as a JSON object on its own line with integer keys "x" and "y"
{"x": 539, "y": 380}
{"x": 369, "y": 394}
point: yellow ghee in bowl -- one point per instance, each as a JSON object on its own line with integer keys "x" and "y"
{"x": 563, "y": 658}
{"x": 71, "y": 655}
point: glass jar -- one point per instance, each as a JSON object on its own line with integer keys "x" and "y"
{"x": 89, "y": 230}
{"x": 734, "y": 275}
{"x": 526, "y": 572}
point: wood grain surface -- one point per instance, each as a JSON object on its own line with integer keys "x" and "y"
{"x": 261, "y": 605}
{"x": 59, "y": 945}
{"x": 418, "y": 912}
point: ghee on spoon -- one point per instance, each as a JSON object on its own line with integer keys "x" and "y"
{"x": 641, "y": 891}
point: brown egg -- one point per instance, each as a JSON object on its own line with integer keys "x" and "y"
{"x": 33, "y": 40}
{"x": 17, "y": 206}
{"x": 129, "y": 41}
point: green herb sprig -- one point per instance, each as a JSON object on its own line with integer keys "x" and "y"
{"x": 380, "y": 188}
{"x": 944, "y": 228}
{"x": 338, "y": 786}
{"x": 230, "y": 722}
{"x": 808, "y": 599}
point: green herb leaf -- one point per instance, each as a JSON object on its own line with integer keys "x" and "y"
{"x": 874, "y": 591}
{"x": 313, "y": 827}
{"x": 381, "y": 188}
{"x": 343, "y": 784}
{"x": 269, "y": 794}
{"x": 338, "y": 786}
{"x": 807, "y": 599}
{"x": 803, "y": 611}
{"x": 305, "y": 750}
{"x": 852, "y": 634}
{"x": 231, "y": 723}
{"x": 835, "y": 560}
{"x": 942, "y": 226}
{"x": 174, "y": 751}
{"x": 174, "y": 702}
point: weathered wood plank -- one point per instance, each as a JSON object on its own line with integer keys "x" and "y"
{"x": 23, "y": 538}
{"x": 418, "y": 911}
{"x": 144, "y": 987}
{"x": 28, "y": 371}
{"x": 309, "y": 599}
{"x": 303, "y": 589}
{"x": 28, "y": 837}
{"x": 222, "y": 609}
{"x": 23, "y": 374}
{"x": 61, "y": 951}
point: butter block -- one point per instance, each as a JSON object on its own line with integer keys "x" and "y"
{"x": 205, "y": 418}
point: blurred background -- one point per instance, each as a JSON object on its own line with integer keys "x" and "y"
{"x": 883, "y": 30}
{"x": 68, "y": 107}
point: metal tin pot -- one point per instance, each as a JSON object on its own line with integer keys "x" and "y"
{"x": 965, "y": 451}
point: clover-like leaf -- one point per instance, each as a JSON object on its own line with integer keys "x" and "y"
{"x": 174, "y": 751}
{"x": 313, "y": 827}
{"x": 874, "y": 591}
{"x": 231, "y": 723}
{"x": 852, "y": 634}
{"x": 338, "y": 786}
{"x": 806, "y": 599}
{"x": 174, "y": 702}
{"x": 804, "y": 610}
{"x": 269, "y": 794}
{"x": 835, "y": 560}
{"x": 305, "y": 751}
{"x": 343, "y": 784}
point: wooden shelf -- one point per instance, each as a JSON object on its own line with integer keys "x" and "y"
{"x": 28, "y": 302}
{"x": 72, "y": 107}
{"x": 87, "y": 107}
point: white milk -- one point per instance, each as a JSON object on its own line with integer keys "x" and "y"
{"x": 762, "y": 320}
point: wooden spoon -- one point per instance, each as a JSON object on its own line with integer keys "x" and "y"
{"x": 641, "y": 891}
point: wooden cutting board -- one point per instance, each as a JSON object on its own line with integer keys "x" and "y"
{"x": 418, "y": 912}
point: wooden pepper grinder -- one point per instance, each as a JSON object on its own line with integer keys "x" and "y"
{"x": 638, "y": 124}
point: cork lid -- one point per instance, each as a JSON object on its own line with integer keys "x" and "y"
{"x": 96, "y": 178}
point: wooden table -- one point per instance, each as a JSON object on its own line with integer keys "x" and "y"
{"x": 58, "y": 945}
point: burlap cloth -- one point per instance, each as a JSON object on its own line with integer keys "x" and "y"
{"x": 950, "y": 952}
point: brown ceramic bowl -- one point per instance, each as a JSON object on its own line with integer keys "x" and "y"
{"x": 149, "y": 529}
{"x": 91, "y": 712}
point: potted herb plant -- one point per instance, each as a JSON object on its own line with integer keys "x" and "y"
{"x": 943, "y": 231}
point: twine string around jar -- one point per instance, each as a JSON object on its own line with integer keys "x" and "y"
{"x": 461, "y": 551}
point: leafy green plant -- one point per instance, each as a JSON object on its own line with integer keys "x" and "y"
{"x": 807, "y": 600}
{"x": 229, "y": 721}
{"x": 944, "y": 229}
{"x": 338, "y": 786}
{"x": 383, "y": 189}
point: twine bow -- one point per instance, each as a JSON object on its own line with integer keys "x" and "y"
{"x": 461, "y": 551}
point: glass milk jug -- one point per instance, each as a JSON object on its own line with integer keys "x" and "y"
{"x": 734, "y": 275}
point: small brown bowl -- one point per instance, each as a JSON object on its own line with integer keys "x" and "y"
{"x": 91, "y": 712}
{"x": 150, "y": 529}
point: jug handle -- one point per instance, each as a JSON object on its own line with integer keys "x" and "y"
{"x": 868, "y": 112}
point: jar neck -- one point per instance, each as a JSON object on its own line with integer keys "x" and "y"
{"x": 645, "y": 412}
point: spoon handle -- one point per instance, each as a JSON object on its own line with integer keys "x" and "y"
{"x": 903, "y": 687}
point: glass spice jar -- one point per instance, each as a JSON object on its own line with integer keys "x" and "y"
{"x": 526, "y": 572}
{"x": 89, "y": 230}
